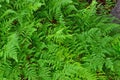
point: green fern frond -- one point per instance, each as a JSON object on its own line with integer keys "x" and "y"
{"x": 10, "y": 49}
{"x": 30, "y": 72}
{"x": 74, "y": 71}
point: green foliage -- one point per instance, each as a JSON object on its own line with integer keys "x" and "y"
{"x": 57, "y": 40}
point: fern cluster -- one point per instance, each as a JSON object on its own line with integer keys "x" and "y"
{"x": 57, "y": 40}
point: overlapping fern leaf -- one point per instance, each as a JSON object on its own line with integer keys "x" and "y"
{"x": 56, "y": 40}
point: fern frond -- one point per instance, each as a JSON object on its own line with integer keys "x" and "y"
{"x": 10, "y": 49}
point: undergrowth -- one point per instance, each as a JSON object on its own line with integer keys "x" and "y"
{"x": 57, "y": 40}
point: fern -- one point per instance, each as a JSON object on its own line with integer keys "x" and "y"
{"x": 10, "y": 49}
{"x": 57, "y": 40}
